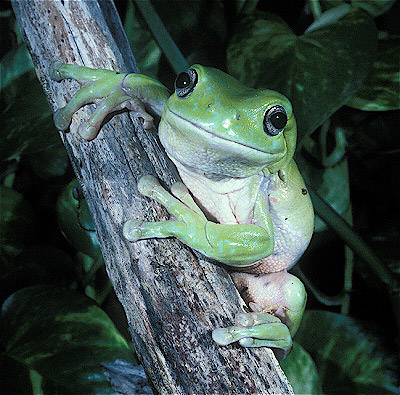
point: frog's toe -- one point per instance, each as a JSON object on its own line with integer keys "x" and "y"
{"x": 132, "y": 230}
{"x": 54, "y": 71}
{"x": 60, "y": 120}
{"x": 179, "y": 189}
{"x": 87, "y": 131}
{"x": 223, "y": 336}
{"x": 247, "y": 320}
{"x": 147, "y": 184}
{"x": 247, "y": 342}
{"x": 257, "y": 330}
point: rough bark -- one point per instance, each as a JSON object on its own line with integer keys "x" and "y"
{"x": 172, "y": 298}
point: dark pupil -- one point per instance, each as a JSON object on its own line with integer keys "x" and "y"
{"x": 279, "y": 120}
{"x": 183, "y": 80}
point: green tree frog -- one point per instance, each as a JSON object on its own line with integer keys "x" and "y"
{"x": 242, "y": 202}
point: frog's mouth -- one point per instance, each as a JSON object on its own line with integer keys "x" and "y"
{"x": 212, "y": 136}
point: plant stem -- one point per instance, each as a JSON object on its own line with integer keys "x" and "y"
{"x": 321, "y": 297}
{"x": 351, "y": 238}
{"x": 349, "y": 265}
{"x": 315, "y": 8}
{"x": 161, "y": 35}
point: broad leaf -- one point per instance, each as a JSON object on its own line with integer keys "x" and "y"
{"x": 39, "y": 264}
{"x": 349, "y": 358}
{"x": 27, "y": 124}
{"x": 50, "y": 162}
{"x": 326, "y": 172}
{"x": 17, "y": 378}
{"x": 318, "y": 71}
{"x": 381, "y": 89}
{"x": 147, "y": 52}
{"x": 17, "y": 223}
{"x": 13, "y": 64}
{"x": 301, "y": 371}
{"x": 331, "y": 183}
{"x": 63, "y": 336}
{"x": 374, "y": 7}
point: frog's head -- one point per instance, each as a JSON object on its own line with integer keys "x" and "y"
{"x": 215, "y": 125}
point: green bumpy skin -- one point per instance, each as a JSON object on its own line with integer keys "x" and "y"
{"x": 242, "y": 201}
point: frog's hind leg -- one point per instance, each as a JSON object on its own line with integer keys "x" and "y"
{"x": 278, "y": 300}
{"x": 181, "y": 192}
{"x": 181, "y": 207}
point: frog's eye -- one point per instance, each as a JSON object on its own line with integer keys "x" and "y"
{"x": 185, "y": 82}
{"x": 275, "y": 119}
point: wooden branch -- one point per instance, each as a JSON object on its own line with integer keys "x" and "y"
{"x": 172, "y": 299}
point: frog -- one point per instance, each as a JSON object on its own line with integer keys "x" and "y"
{"x": 242, "y": 201}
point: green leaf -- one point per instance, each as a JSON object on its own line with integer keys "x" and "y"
{"x": 63, "y": 336}
{"x": 326, "y": 174}
{"x": 147, "y": 52}
{"x": 318, "y": 71}
{"x": 374, "y": 7}
{"x": 76, "y": 222}
{"x": 12, "y": 369}
{"x": 50, "y": 162}
{"x": 331, "y": 183}
{"x": 381, "y": 89}
{"x": 17, "y": 223}
{"x": 301, "y": 371}
{"x": 201, "y": 30}
{"x": 13, "y": 64}
{"x": 27, "y": 124}
{"x": 36, "y": 265}
{"x": 349, "y": 358}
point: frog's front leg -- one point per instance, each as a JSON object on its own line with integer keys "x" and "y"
{"x": 111, "y": 91}
{"x": 236, "y": 244}
{"x": 278, "y": 302}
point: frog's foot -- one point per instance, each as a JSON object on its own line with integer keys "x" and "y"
{"x": 233, "y": 244}
{"x": 111, "y": 91}
{"x": 257, "y": 330}
{"x": 181, "y": 206}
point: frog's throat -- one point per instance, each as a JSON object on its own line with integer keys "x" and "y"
{"x": 216, "y": 136}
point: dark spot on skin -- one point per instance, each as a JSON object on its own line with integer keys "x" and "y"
{"x": 269, "y": 365}
{"x": 286, "y": 219}
{"x": 117, "y": 72}
{"x": 304, "y": 191}
{"x": 237, "y": 117}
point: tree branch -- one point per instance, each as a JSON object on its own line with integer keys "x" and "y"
{"x": 172, "y": 299}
